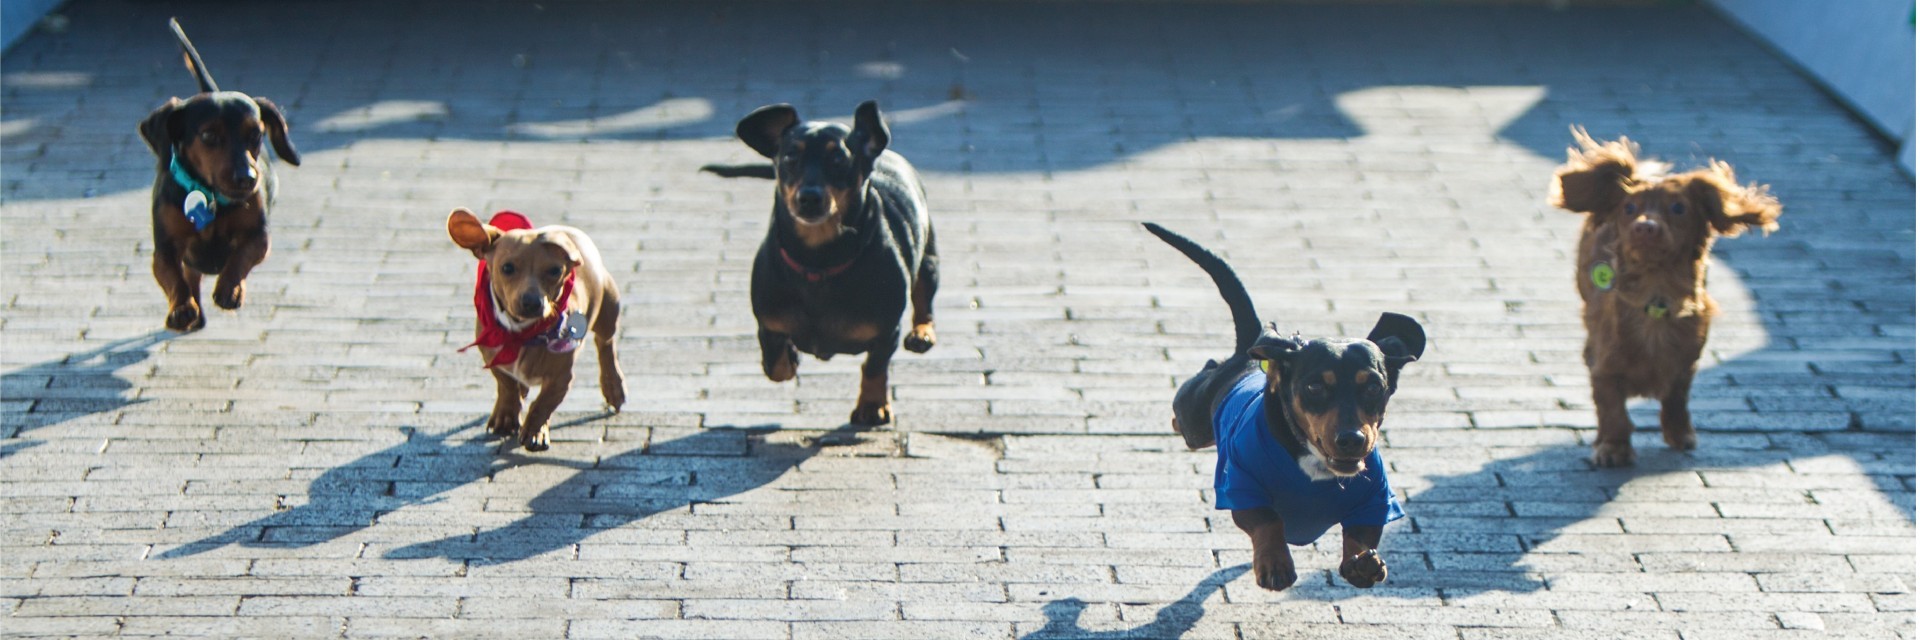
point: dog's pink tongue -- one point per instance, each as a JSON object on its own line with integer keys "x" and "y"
{"x": 510, "y": 220}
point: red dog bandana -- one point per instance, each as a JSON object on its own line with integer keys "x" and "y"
{"x": 492, "y": 334}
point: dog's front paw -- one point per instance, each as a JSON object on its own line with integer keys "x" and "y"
{"x": 230, "y": 299}
{"x": 1273, "y": 566}
{"x": 613, "y": 389}
{"x": 503, "y": 424}
{"x": 185, "y": 318}
{"x": 920, "y": 339}
{"x": 872, "y": 414}
{"x": 785, "y": 367}
{"x": 1680, "y": 437}
{"x": 1613, "y": 454}
{"x": 534, "y": 438}
{"x": 1364, "y": 570}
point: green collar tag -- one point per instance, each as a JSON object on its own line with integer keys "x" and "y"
{"x": 1602, "y": 276}
{"x": 1656, "y": 309}
{"x": 1264, "y": 367}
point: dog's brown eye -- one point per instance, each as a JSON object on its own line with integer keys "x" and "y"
{"x": 1677, "y": 209}
{"x": 1632, "y": 208}
{"x": 207, "y": 136}
{"x": 1315, "y": 388}
{"x": 553, "y": 272}
{"x": 507, "y": 269}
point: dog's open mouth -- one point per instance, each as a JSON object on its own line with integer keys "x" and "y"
{"x": 1346, "y": 466}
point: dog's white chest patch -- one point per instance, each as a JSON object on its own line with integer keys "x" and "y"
{"x": 1315, "y": 469}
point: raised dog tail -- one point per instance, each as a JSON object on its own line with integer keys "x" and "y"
{"x": 194, "y": 64}
{"x": 1246, "y": 321}
{"x": 740, "y": 170}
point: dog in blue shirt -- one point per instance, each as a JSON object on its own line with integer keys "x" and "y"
{"x": 1296, "y": 423}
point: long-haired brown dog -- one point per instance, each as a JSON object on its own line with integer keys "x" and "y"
{"x": 1643, "y": 277}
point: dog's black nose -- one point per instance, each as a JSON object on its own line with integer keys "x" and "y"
{"x": 1646, "y": 228}
{"x": 1350, "y": 443}
{"x": 811, "y": 197}
{"x": 532, "y": 305}
{"x": 245, "y": 177}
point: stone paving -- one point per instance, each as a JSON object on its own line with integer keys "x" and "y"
{"x": 312, "y": 465}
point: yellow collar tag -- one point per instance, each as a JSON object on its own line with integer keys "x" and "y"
{"x": 1265, "y": 367}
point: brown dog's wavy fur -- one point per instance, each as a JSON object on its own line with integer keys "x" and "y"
{"x": 1655, "y": 230}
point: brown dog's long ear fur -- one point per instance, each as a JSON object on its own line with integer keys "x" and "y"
{"x": 277, "y": 131}
{"x": 159, "y": 130}
{"x": 762, "y": 129}
{"x": 468, "y": 232}
{"x": 1730, "y": 207}
{"x": 1596, "y": 176}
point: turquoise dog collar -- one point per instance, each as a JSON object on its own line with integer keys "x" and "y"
{"x": 201, "y": 202}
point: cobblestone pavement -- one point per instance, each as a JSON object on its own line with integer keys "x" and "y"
{"x": 312, "y": 465}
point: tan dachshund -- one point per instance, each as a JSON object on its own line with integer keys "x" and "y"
{"x": 539, "y": 291}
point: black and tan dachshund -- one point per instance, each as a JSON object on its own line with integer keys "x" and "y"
{"x": 849, "y": 248}
{"x": 214, "y": 184}
{"x": 1297, "y": 423}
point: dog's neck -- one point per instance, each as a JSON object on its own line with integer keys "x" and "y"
{"x": 1280, "y": 424}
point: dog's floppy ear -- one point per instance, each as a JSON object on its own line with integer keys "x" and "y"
{"x": 277, "y": 131}
{"x": 468, "y": 232}
{"x": 1731, "y": 208}
{"x": 1400, "y": 338}
{"x": 1275, "y": 349}
{"x": 161, "y": 128}
{"x": 562, "y": 247}
{"x": 762, "y": 128}
{"x": 870, "y": 134}
{"x": 1596, "y": 176}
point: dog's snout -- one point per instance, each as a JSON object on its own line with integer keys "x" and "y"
{"x": 811, "y": 197}
{"x": 1350, "y": 443}
{"x": 1645, "y": 229}
{"x": 245, "y": 177}
{"x": 532, "y": 305}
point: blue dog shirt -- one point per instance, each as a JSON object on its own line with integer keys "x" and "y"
{"x": 1254, "y": 471}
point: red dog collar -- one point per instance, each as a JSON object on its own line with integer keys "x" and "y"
{"x": 810, "y": 273}
{"x": 492, "y": 334}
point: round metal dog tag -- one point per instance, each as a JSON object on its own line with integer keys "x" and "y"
{"x": 576, "y": 325}
{"x": 197, "y": 210}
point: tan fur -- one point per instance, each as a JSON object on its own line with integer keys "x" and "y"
{"x": 535, "y": 255}
{"x": 1630, "y": 352}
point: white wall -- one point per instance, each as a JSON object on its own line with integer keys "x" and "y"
{"x": 1861, "y": 49}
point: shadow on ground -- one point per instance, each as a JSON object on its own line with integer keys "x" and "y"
{"x": 1019, "y": 88}
{"x": 70, "y": 388}
{"x": 661, "y": 477}
{"x": 1172, "y": 621}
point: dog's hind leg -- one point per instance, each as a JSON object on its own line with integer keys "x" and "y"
{"x": 873, "y": 408}
{"x": 606, "y": 327}
{"x": 1676, "y": 422}
{"x": 925, "y": 283}
{"x": 182, "y": 289}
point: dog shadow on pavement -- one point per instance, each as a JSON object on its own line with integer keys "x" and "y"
{"x": 71, "y": 387}
{"x": 661, "y": 477}
{"x": 1172, "y": 621}
{"x": 351, "y": 497}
